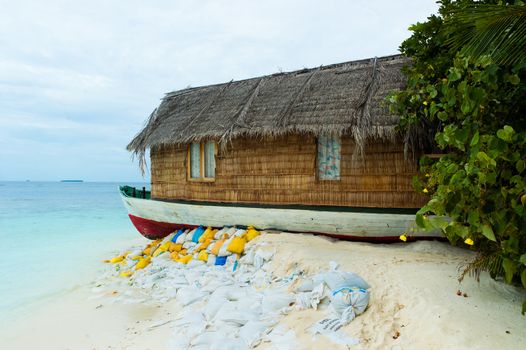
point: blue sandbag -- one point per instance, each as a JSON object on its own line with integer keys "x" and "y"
{"x": 180, "y": 232}
{"x": 198, "y": 233}
{"x": 221, "y": 260}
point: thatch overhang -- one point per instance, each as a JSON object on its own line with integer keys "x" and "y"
{"x": 345, "y": 98}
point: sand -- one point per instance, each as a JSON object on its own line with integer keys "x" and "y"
{"x": 414, "y": 304}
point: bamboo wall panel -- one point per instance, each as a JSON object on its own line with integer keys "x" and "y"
{"x": 283, "y": 171}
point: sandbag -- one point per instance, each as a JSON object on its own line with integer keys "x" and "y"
{"x": 239, "y": 233}
{"x": 175, "y": 247}
{"x": 230, "y": 232}
{"x": 252, "y": 332}
{"x": 251, "y": 233}
{"x": 126, "y": 273}
{"x": 208, "y": 234}
{"x": 349, "y": 302}
{"x": 338, "y": 279}
{"x": 211, "y": 260}
{"x": 190, "y": 235}
{"x": 198, "y": 233}
{"x": 219, "y": 233}
{"x": 184, "y": 259}
{"x": 220, "y": 260}
{"x": 237, "y": 245}
{"x": 182, "y": 238}
{"x": 177, "y": 234}
{"x": 217, "y": 246}
{"x": 203, "y": 245}
{"x": 203, "y": 256}
{"x": 143, "y": 263}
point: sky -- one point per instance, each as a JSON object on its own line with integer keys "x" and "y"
{"x": 79, "y": 78}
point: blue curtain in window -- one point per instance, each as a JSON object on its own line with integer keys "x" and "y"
{"x": 329, "y": 155}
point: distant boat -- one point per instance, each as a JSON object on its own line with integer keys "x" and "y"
{"x": 71, "y": 180}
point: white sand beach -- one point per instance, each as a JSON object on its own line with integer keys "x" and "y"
{"x": 414, "y": 303}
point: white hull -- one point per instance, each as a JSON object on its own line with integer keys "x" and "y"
{"x": 336, "y": 223}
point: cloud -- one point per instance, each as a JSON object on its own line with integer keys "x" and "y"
{"x": 78, "y": 79}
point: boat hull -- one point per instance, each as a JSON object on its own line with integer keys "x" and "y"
{"x": 156, "y": 219}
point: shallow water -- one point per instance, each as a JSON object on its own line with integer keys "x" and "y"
{"x": 52, "y": 234}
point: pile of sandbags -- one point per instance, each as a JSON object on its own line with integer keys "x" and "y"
{"x": 211, "y": 246}
{"x": 231, "y": 298}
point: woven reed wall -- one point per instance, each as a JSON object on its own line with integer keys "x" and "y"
{"x": 283, "y": 171}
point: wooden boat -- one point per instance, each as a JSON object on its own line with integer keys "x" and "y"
{"x": 156, "y": 219}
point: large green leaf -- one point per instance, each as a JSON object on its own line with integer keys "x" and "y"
{"x": 487, "y": 231}
{"x": 509, "y": 269}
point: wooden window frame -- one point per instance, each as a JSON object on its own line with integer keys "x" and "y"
{"x": 202, "y": 178}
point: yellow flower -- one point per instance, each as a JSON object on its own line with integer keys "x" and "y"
{"x": 425, "y": 103}
{"x": 425, "y": 190}
{"x": 403, "y": 238}
{"x": 428, "y": 175}
{"x": 469, "y": 241}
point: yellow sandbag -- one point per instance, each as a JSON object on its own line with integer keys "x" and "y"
{"x": 119, "y": 258}
{"x": 143, "y": 263}
{"x": 185, "y": 259}
{"x": 183, "y": 252}
{"x": 157, "y": 252}
{"x": 174, "y": 256}
{"x": 237, "y": 245}
{"x": 251, "y": 233}
{"x": 136, "y": 257}
{"x": 204, "y": 245}
{"x": 203, "y": 256}
{"x": 208, "y": 234}
{"x": 174, "y": 247}
{"x": 217, "y": 246}
{"x": 126, "y": 273}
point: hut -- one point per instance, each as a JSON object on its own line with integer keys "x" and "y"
{"x": 314, "y": 150}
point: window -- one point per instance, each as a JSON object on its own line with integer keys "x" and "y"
{"x": 328, "y": 158}
{"x": 201, "y": 161}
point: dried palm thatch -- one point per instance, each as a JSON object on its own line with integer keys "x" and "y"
{"x": 345, "y": 98}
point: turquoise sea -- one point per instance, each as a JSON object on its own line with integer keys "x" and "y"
{"x": 52, "y": 234}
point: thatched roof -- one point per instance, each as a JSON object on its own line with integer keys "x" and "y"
{"x": 345, "y": 98}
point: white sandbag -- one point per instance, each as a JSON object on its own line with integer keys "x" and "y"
{"x": 229, "y": 344}
{"x": 220, "y": 233}
{"x": 332, "y": 329}
{"x": 189, "y": 295}
{"x": 339, "y": 279}
{"x": 211, "y": 260}
{"x": 189, "y": 244}
{"x": 236, "y": 313}
{"x": 223, "y": 251}
{"x": 275, "y": 301}
{"x": 310, "y": 299}
{"x": 182, "y": 237}
{"x": 168, "y": 238}
{"x": 252, "y": 332}
{"x": 349, "y": 303}
{"x": 262, "y": 256}
{"x": 281, "y": 338}
{"x": 247, "y": 258}
{"x": 239, "y": 233}
{"x": 217, "y": 299}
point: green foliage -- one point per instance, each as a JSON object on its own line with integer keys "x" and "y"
{"x": 475, "y": 109}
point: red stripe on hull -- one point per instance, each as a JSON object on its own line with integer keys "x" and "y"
{"x": 152, "y": 229}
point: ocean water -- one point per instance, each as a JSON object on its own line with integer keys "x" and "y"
{"x": 52, "y": 234}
